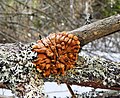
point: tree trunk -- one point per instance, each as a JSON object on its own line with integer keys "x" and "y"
{"x": 18, "y": 73}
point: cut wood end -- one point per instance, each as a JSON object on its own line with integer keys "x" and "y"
{"x": 56, "y": 53}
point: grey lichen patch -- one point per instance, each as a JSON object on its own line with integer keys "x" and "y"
{"x": 18, "y": 72}
{"x": 96, "y": 69}
{"x": 92, "y": 71}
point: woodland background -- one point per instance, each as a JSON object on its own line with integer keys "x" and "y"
{"x": 24, "y": 20}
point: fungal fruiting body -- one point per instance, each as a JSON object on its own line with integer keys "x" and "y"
{"x": 56, "y": 53}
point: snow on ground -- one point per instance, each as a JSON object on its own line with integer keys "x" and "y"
{"x": 61, "y": 90}
{"x": 6, "y": 92}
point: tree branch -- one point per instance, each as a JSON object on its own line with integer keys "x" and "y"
{"x": 71, "y": 91}
{"x": 96, "y": 30}
{"x": 93, "y": 72}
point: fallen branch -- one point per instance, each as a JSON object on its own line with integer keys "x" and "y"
{"x": 93, "y": 72}
{"x": 71, "y": 91}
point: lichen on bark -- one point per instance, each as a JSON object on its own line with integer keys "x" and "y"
{"x": 17, "y": 71}
{"x": 19, "y": 74}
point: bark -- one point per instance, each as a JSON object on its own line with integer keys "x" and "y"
{"x": 93, "y": 72}
{"x": 18, "y": 73}
{"x": 96, "y": 30}
{"x": 2, "y": 85}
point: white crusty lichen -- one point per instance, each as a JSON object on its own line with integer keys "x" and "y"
{"x": 18, "y": 73}
{"x": 96, "y": 69}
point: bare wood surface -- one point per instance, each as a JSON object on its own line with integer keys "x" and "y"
{"x": 2, "y": 85}
{"x": 96, "y": 30}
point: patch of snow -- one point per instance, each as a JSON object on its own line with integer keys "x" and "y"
{"x": 6, "y": 92}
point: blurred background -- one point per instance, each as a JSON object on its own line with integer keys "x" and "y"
{"x": 24, "y": 20}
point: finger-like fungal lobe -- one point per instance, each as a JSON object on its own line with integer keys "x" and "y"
{"x": 56, "y": 53}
